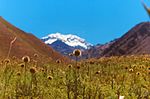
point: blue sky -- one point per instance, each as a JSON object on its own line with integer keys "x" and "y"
{"x": 97, "y": 21}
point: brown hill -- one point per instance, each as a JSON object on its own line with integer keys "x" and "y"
{"x": 134, "y": 42}
{"x": 25, "y": 44}
{"x": 97, "y": 50}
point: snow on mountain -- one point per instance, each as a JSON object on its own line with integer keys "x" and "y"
{"x": 69, "y": 39}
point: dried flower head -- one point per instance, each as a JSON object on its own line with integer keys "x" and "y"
{"x": 35, "y": 55}
{"x": 26, "y": 59}
{"x": 138, "y": 73}
{"x": 14, "y": 57}
{"x": 7, "y": 61}
{"x": 91, "y": 62}
{"x": 148, "y": 68}
{"x": 50, "y": 77}
{"x": 134, "y": 66}
{"x": 126, "y": 67}
{"x": 141, "y": 66}
{"x": 78, "y": 67}
{"x": 33, "y": 70}
{"x": 2, "y": 61}
{"x": 98, "y": 72}
{"x": 131, "y": 70}
{"x": 58, "y": 61}
{"x": 18, "y": 73}
{"x": 77, "y": 52}
{"x": 69, "y": 65}
{"x": 42, "y": 69}
{"x": 22, "y": 65}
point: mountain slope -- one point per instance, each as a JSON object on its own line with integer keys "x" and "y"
{"x": 65, "y": 44}
{"x": 134, "y": 42}
{"x": 26, "y": 44}
{"x": 97, "y": 50}
{"x": 62, "y": 47}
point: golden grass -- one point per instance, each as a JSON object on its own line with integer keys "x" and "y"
{"x": 104, "y": 78}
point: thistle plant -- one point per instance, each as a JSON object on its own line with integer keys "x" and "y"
{"x": 76, "y": 53}
{"x": 122, "y": 76}
{"x": 26, "y": 60}
{"x": 33, "y": 83}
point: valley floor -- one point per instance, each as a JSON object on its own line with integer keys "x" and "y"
{"x": 104, "y": 78}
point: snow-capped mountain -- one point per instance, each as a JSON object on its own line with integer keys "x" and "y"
{"x": 65, "y": 44}
{"x": 69, "y": 39}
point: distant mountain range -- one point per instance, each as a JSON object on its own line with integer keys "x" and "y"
{"x": 136, "y": 41}
{"x": 65, "y": 44}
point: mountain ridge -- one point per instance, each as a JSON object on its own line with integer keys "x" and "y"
{"x": 66, "y": 43}
{"x": 134, "y": 42}
{"x": 69, "y": 39}
{"x": 25, "y": 44}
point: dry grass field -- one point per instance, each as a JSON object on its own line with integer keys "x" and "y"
{"x": 104, "y": 78}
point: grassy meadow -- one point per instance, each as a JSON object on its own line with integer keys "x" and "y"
{"x": 104, "y": 78}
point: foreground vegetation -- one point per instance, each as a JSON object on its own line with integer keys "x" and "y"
{"x": 104, "y": 78}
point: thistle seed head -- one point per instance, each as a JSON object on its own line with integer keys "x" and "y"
{"x": 26, "y": 59}
{"x": 33, "y": 70}
{"x": 77, "y": 52}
